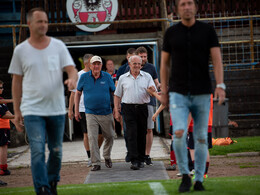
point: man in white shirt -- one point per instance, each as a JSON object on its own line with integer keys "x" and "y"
{"x": 131, "y": 90}
{"x": 37, "y": 67}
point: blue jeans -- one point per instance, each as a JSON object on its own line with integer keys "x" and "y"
{"x": 38, "y": 128}
{"x": 198, "y": 106}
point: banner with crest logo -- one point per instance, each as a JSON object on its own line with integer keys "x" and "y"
{"x": 92, "y": 11}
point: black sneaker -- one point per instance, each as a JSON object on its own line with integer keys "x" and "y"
{"x": 2, "y": 183}
{"x": 141, "y": 164}
{"x": 171, "y": 167}
{"x": 148, "y": 160}
{"x": 127, "y": 158}
{"x": 43, "y": 191}
{"x": 5, "y": 172}
{"x": 96, "y": 168}
{"x": 185, "y": 184}
{"x": 135, "y": 166}
{"x": 198, "y": 186}
{"x": 53, "y": 185}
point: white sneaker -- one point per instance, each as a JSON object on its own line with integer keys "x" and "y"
{"x": 179, "y": 174}
{"x": 192, "y": 172}
{"x": 89, "y": 163}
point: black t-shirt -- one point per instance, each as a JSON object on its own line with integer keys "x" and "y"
{"x": 121, "y": 71}
{"x": 189, "y": 48}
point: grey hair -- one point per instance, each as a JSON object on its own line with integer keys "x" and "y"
{"x": 130, "y": 59}
{"x": 87, "y": 56}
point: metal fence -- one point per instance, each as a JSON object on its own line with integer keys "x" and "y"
{"x": 239, "y": 37}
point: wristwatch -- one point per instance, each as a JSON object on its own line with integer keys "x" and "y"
{"x": 222, "y": 86}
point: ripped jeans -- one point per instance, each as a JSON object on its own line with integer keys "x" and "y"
{"x": 38, "y": 128}
{"x": 198, "y": 106}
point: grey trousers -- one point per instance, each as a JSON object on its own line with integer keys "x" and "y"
{"x": 106, "y": 122}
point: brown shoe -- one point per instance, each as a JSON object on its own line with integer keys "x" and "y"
{"x": 108, "y": 163}
{"x": 96, "y": 168}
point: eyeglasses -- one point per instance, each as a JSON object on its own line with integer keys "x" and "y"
{"x": 1, "y": 87}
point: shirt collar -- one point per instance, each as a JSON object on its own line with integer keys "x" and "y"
{"x": 141, "y": 73}
{"x": 101, "y": 74}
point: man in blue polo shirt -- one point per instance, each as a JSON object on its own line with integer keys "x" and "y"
{"x": 97, "y": 86}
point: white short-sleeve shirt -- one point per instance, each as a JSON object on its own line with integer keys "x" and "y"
{"x": 42, "y": 71}
{"x": 133, "y": 91}
{"x": 81, "y": 102}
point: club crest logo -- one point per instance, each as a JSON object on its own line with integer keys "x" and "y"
{"x": 92, "y": 11}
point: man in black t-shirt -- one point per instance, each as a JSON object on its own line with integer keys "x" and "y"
{"x": 188, "y": 45}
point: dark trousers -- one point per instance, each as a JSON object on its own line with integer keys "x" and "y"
{"x": 135, "y": 116}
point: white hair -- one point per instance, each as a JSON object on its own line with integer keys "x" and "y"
{"x": 130, "y": 59}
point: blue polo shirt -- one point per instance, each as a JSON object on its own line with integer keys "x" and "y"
{"x": 96, "y": 92}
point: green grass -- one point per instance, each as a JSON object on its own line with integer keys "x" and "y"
{"x": 221, "y": 185}
{"x": 247, "y": 166}
{"x": 244, "y": 144}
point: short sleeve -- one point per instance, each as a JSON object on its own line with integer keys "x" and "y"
{"x": 151, "y": 82}
{"x": 213, "y": 38}
{"x": 166, "y": 43}
{"x": 66, "y": 59}
{"x": 81, "y": 82}
{"x": 118, "y": 91}
{"x": 16, "y": 64}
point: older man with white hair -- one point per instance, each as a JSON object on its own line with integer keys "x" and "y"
{"x": 96, "y": 86}
{"x": 131, "y": 90}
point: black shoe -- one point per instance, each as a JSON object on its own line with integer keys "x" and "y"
{"x": 148, "y": 160}
{"x": 96, "y": 168}
{"x": 198, "y": 186}
{"x": 141, "y": 164}
{"x": 108, "y": 163}
{"x": 2, "y": 183}
{"x": 5, "y": 172}
{"x": 43, "y": 191}
{"x": 53, "y": 185}
{"x": 171, "y": 167}
{"x": 127, "y": 158}
{"x": 185, "y": 184}
{"x": 134, "y": 166}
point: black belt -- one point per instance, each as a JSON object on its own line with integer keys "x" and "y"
{"x": 135, "y": 105}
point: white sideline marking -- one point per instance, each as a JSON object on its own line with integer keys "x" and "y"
{"x": 157, "y": 188}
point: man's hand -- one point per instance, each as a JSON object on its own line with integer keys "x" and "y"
{"x": 151, "y": 90}
{"x": 220, "y": 94}
{"x": 70, "y": 114}
{"x": 77, "y": 116}
{"x": 117, "y": 115}
{"x": 71, "y": 83}
{"x": 158, "y": 86}
{"x": 154, "y": 117}
{"x": 232, "y": 123}
{"x": 18, "y": 121}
